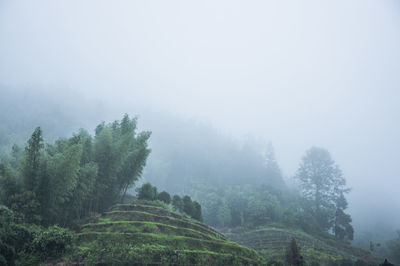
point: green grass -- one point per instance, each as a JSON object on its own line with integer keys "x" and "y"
{"x": 271, "y": 242}
{"x": 151, "y": 233}
{"x": 145, "y": 216}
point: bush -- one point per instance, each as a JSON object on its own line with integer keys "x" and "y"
{"x": 53, "y": 242}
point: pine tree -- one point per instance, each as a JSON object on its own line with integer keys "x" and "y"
{"x": 342, "y": 228}
{"x": 273, "y": 171}
{"x": 293, "y": 256}
{"x": 321, "y": 182}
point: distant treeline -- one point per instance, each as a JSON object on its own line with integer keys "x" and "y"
{"x": 319, "y": 206}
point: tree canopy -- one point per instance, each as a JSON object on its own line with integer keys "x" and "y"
{"x": 67, "y": 180}
{"x": 323, "y": 187}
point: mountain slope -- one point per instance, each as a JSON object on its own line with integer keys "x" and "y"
{"x": 150, "y": 233}
{"x": 271, "y": 242}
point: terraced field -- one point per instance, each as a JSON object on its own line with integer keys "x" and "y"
{"x": 151, "y": 233}
{"x": 271, "y": 243}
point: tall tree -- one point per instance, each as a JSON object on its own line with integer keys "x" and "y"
{"x": 273, "y": 171}
{"x": 31, "y": 162}
{"x": 120, "y": 153}
{"x": 321, "y": 182}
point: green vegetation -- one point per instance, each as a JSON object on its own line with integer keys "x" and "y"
{"x": 292, "y": 255}
{"x": 323, "y": 188}
{"x": 393, "y": 247}
{"x": 23, "y": 244}
{"x": 147, "y": 232}
{"x": 83, "y": 183}
{"x": 271, "y": 241}
{"x": 64, "y": 182}
{"x": 184, "y": 205}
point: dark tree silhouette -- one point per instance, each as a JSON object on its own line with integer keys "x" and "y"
{"x": 293, "y": 256}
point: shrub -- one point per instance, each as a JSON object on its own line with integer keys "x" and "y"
{"x": 53, "y": 242}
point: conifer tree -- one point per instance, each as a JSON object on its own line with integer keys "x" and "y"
{"x": 321, "y": 183}
{"x": 31, "y": 162}
{"x": 293, "y": 256}
{"x": 342, "y": 227}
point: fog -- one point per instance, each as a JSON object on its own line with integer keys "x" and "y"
{"x": 298, "y": 74}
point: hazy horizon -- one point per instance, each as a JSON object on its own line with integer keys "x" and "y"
{"x": 298, "y": 74}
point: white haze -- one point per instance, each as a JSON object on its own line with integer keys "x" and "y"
{"x": 297, "y": 73}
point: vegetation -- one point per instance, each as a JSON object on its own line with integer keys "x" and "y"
{"x": 394, "y": 248}
{"x": 66, "y": 181}
{"x": 63, "y": 183}
{"x": 23, "y": 244}
{"x": 46, "y": 188}
{"x": 293, "y": 256}
{"x": 160, "y": 236}
{"x": 184, "y": 205}
{"x": 323, "y": 188}
{"x": 271, "y": 242}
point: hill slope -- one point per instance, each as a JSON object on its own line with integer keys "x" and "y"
{"x": 271, "y": 242}
{"x": 150, "y": 233}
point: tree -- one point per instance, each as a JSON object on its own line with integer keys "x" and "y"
{"x": 187, "y": 205}
{"x": 31, "y": 162}
{"x": 8, "y": 185}
{"x": 25, "y": 207}
{"x": 197, "y": 211}
{"x": 273, "y": 171}
{"x": 7, "y": 249}
{"x": 293, "y": 256}
{"x": 120, "y": 153}
{"x": 165, "y": 197}
{"x": 177, "y": 203}
{"x": 147, "y": 192}
{"x": 342, "y": 227}
{"x": 321, "y": 181}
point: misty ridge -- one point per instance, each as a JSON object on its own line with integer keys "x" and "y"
{"x": 208, "y": 133}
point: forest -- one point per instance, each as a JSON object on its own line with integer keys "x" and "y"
{"x": 49, "y": 190}
{"x": 224, "y": 132}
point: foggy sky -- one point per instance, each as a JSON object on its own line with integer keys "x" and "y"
{"x": 297, "y": 73}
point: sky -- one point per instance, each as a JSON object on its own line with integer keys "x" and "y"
{"x": 296, "y": 73}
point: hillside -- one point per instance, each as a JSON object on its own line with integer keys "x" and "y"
{"x": 271, "y": 242}
{"x": 150, "y": 233}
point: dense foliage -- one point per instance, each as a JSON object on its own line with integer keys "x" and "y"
{"x": 183, "y": 205}
{"x": 24, "y": 244}
{"x": 66, "y": 181}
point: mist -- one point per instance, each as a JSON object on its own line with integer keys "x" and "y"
{"x": 297, "y": 74}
